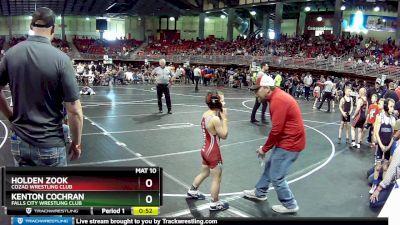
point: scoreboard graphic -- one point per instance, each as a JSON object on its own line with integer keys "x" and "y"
{"x": 82, "y": 191}
{"x": 106, "y": 195}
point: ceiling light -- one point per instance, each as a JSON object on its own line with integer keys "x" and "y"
{"x": 271, "y": 34}
{"x": 343, "y": 8}
{"x": 223, "y": 16}
{"x": 384, "y": 20}
{"x": 319, "y": 19}
{"x": 307, "y": 9}
{"x": 253, "y": 13}
{"x": 376, "y": 9}
{"x": 109, "y": 7}
{"x": 172, "y": 18}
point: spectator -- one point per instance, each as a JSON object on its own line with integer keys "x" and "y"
{"x": 36, "y": 118}
{"x": 382, "y": 192}
{"x": 287, "y": 139}
{"x": 258, "y": 102}
{"x": 375, "y": 90}
{"x": 307, "y": 85}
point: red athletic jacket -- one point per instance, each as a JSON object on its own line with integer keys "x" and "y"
{"x": 287, "y": 130}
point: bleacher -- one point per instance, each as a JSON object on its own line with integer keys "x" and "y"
{"x": 56, "y": 42}
{"x": 16, "y": 40}
{"x": 83, "y": 44}
{"x": 209, "y": 46}
{"x": 104, "y": 47}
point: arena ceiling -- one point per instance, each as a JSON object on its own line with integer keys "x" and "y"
{"x": 172, "y": 7}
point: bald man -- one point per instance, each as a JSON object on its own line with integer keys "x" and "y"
{"x": 163, "y": 80}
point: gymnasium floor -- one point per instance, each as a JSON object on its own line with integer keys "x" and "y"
{"x": 122, "y": 127}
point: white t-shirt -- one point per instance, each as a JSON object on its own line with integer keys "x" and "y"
{"x": 178, "y": 72}
{"x": 308, "y": 81}
{"x": 79, "y": 69}
{"x": 197, "y": 72}
{"x": 328, "y": 86}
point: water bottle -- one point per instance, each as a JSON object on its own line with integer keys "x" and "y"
{"x": 261, "y": 159}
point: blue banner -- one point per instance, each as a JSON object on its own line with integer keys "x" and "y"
{"x": 23, "y": 220}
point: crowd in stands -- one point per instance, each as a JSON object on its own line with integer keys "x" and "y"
{"x": 357, "y": 49}
{"x": 56, "y": 42}
{"x": 301, "y": 46}
{"x": 209, "y": 46}
{"x": 374, "y": 52}
{"x": 312, "y": 47}
{"x": 15, "y": 40}
{"x": 119, "y": 47}
{"x": 60, "y": 44}
{"x": 99, "y": 74}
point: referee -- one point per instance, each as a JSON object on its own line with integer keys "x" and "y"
{"x": 163, "y": 80}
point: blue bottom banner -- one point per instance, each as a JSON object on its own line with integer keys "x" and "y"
{"x": 23, "y": 220}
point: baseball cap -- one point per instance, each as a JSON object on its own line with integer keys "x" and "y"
{"x": 263, "y": 81}
{"x": 43, "y": 17}
{"x": 378, "y": 80}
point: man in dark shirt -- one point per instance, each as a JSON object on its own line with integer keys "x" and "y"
{"x": 375, "y": 90}
{"x": 390, "y": 93}
{"x": 41, "y": 79}
{"x": 257, "y": 103}
{"x": 99, "y": 68}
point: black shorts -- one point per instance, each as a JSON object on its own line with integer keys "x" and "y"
{"x": 359, "y": 121}
{"x": 346, "y": 119}
{"x": 380, "y": 156}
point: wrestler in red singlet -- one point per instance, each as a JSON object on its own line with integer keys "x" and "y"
{"x": 214, "y": 125}
{"x": 210, "y": 151}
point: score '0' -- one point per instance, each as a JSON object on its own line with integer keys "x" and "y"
{"x": 149, "y": 199}
{"x": 149, "y": 183}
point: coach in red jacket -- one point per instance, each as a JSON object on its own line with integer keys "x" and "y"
{"x": 286, "y": 140}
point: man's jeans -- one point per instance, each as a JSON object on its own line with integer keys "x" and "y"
{"x": 27, "y": 155}
{"x": 276, "y": 168}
